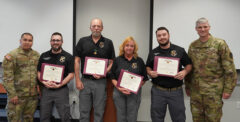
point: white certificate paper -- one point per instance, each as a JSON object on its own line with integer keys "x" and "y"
{"x": 130, "y": 81}
{"x": 166, "y": 66}
{"x": 51, "y": 72}
{"x": 95, "y": 66}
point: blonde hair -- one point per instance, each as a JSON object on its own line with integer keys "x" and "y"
{"x": 121, "y": 48}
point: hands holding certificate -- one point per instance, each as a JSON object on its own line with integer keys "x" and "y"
{"x": 180, "y": 75}
{"x": 51, "y": 75}
{"x": 51, "y": 84}
{"x": 95, "y": 66}
{"x": 128, "y": 82}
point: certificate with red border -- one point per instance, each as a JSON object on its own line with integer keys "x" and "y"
{"x": 166, "y": 66}
{"x": 94, "y": 65}
{"x": 130, "y": 81}
{"x": 52, "y": 72}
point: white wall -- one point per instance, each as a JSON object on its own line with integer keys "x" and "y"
{"x": 180, "y": 17}
{"x": 39, "y": 17}
{"x": 121, "y": 18}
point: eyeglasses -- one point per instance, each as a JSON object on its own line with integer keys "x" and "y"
{"x": 55, "y": 40}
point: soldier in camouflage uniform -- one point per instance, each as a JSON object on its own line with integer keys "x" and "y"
{"x": 20, "y": 80}
{"x": 213, "y": 76}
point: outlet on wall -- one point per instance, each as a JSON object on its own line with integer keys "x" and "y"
{"x": 74, "y": 99}
{"x": 238, "y": 104}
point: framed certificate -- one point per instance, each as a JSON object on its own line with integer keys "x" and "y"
{"x": 129, "y": 81}
{"x": 166, "y": 66}
{"x": 52, "y": 72}
{"x": 95, "y": 66}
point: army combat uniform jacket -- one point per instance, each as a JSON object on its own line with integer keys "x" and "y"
{"x": 213, "y": 71}
{"x": 20, "y": 73}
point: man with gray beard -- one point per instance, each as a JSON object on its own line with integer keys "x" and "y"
{"x": 92, "y": 87}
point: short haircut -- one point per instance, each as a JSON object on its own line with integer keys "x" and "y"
{"x": 57, "y": 33}
{"x": 201, "y": 20}
{"x": 26, "y": 33}
{"x": 162, "y": 28}
{"x": 96, "y": 19}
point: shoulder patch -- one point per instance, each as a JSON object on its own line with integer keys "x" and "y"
{"x": 8, "y": 57}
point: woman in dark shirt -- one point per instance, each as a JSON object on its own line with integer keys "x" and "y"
{"x": 126, "y": 102}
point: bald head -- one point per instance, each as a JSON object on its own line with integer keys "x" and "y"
{"x": 96, "y": 26}
{"x": 96, "y": 20}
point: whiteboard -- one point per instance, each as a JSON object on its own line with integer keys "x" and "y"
{"x": 179, "y": 16}
{"x": 39, "y": 17}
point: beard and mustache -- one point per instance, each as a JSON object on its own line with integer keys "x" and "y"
{"x": 56, "y": 49}
{"x": 164, "y": 44}
{"x": 96, "y": 34}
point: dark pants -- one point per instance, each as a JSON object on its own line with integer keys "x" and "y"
{"x": 126, "y": 105}
{"x": 59, "y": 97}
{"x": 93, "y": 95}
{"x": 160, "y": 99}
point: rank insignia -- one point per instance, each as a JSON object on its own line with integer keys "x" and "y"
{"x": 173, "y": 53}
{"x": 134, "y": 65}
{"x": 62, "y": 59}
{"x": 101, "y": 44}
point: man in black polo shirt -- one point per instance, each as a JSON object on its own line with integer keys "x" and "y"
{"x": 167, "y": 90}
{"x": 53, "y": 93}
{"x": 92, "y": 87}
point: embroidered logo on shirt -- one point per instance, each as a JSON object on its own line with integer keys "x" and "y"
{"x": 62, "y": 59}
{"x": 101, "y": 44}
{"x": 173, "y": 53}
{"x": 46, "y": 58}
{"x": 134, "y": 65}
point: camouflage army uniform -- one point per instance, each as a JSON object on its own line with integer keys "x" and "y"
{"x": 213, "y": 74}
{"x": 19, "y": 79}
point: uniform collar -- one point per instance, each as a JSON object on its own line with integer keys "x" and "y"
{"x": 21, "y": 51}
{"x": 100, "y": 40}
{"x": 204, "y": 44}
{"x": 132, "y": 60}
{"x": 170, "y": 48}
{"x": 50, "y": 52}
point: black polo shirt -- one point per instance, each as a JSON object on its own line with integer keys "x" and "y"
{"x": 136, "y": 66}
{"x": 175, "y": 52}
{"x": 63, "y": 58}
{"x": 102, "y": 49}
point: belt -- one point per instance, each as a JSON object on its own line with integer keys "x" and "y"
{"x": 90, "y": 77}
{"x": 168, "y": 89}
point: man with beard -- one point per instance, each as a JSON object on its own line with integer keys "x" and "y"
{"x": 92, "y": 87}
{"x": 20, "y": 80}
{"x": 167, "y": 90}
{"x": 52, "y": 92}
